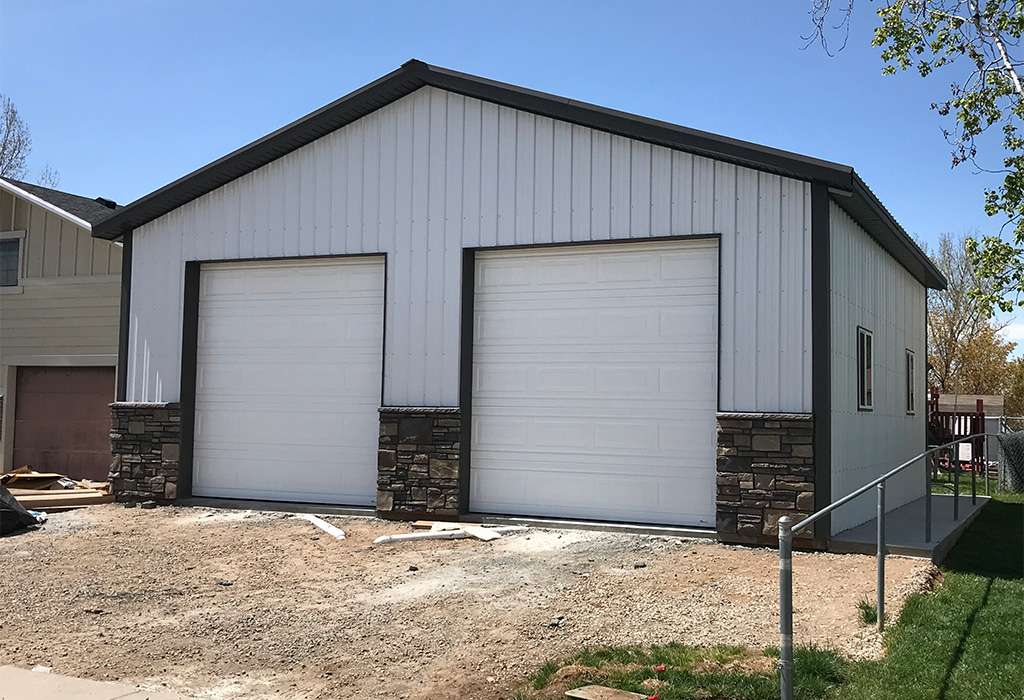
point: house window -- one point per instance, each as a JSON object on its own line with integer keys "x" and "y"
{"x": 10, "y": 258}
{"x": 865, "y": 394}
{"x": 911, "y": 404}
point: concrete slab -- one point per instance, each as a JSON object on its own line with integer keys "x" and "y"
{"x": 904, "y": 529}
{"x": 21, "y": 683}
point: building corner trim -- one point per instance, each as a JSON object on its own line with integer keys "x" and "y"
{"x": 821, "y": 353}
{"x": 125, "y": 318}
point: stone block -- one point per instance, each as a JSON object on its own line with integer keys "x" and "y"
{"x": 387, "y": 459}
{"x": 765, "y": 443}
{"x": 385, "y": 501}
{"x": 769, "y": 468}
{"x": 803, "y": 451}
{"x": 169, "y": 452}
{"x": 725, "y": 521}
{"x": 728, "y": 424}
{"x": 170, "y": 491}
{"x": 415, "y": 429}
{"x": 136, "y": 427}
{"x": 764, "y": 481}
{"x": 435, "y": 499}
{"x": 444, "y": 469}
{"x": 805, "y": 501}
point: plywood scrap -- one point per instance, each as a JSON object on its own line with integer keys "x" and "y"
{"x": 29, "y": 479}
{"x": 457, "y": 534}
{"x": 335, "y": 532}
{"x": 481, "y": 533}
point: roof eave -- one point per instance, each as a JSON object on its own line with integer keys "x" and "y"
{"x": 416, "y": 74}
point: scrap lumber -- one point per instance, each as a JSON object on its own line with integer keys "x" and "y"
{"x": 459, "y": 534}
{"x": 433, "y": 524}
{"x": 54, "y": 500}
{"x": 335, "y": 532}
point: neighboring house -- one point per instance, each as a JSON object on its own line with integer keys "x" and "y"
{"x": 59, "y": 309}
{"x": 443, "y": 295}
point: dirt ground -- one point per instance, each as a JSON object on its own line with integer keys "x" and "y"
{"x": 242, "y": 604}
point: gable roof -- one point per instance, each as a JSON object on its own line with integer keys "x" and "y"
{"x": 81, "y": 211}
{"x": 852, "y": 194}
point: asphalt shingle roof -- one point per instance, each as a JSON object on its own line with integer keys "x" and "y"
{"x": 90, "y": 210}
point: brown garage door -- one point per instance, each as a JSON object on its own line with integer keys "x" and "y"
{"x": 62, "y": 420}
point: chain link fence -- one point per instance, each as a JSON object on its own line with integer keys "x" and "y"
{"x": 1011, "y": 462}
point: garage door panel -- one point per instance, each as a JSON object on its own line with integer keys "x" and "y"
{"x": 595, "y": 382}
{"x": 288, "y": 380}
{"x": 62, "y": 420}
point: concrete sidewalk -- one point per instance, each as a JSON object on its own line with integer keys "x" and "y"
{"x": 22, "y": 684}
{"x": 904, "y": 529}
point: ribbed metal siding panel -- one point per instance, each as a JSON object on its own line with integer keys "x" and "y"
{"x": 870, "y": 289}
{"x": 434, "y": 172}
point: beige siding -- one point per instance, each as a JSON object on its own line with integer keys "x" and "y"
{"x": 66, "y": 307}
{"x": 55, "y": 247}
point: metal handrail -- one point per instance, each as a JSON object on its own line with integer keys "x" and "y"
{"x": 787, "y": 528}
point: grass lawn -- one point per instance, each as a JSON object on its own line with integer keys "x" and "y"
{"x": 943, "y": 483}
{"x": 965, "y": 641}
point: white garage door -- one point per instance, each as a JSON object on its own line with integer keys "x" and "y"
{"x": 595, "y": 382}
{"x": 288, "y": 380}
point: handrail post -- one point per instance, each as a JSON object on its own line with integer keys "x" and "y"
{"x": 974, "y": 472}
{"x": 928, "y": 498}
{"x": 880, "y": 606}
{"x": 956, "y": 483}
{"x": 786, "y": 606}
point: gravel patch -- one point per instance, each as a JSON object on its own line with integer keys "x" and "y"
{"x": 224, "y": 604}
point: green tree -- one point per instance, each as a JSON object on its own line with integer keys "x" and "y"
{"x": 966, "y": 350}
{"x": 977, "y": 43}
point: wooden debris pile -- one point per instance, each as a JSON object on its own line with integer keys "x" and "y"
{"x": 449, "y": 531}
{"x": 53, "y": 493}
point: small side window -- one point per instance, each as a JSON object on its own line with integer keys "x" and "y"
{"x": 10, "y": 257}
{"x": 865, "y": 394}
{"x": 911, "y": 399}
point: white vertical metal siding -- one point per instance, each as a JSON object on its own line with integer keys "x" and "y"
{"x": 435, "y": 172}
{"x": 872, "y": 290}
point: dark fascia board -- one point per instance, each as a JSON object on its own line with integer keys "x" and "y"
{"x": 416, "y": 74}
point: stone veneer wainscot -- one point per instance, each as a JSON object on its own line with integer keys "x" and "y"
{"x": 145, "y": 441}
{"x": 765, "y": 471}
{"x": 418, "y": 462}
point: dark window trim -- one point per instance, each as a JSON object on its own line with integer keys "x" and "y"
{"x": 18, "y": 237}
{"x": 911, "y": 370}
{"x": 865, "y": 370}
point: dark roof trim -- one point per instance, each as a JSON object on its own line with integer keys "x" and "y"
{"x": 416, "y": 74}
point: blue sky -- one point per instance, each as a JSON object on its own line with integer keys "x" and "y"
{"x": 124, "y": 96}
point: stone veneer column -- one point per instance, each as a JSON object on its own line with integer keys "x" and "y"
{"x": 145, "y": 440}
{"x": 418, "y": 462}
{"x": 765, "y": 471}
